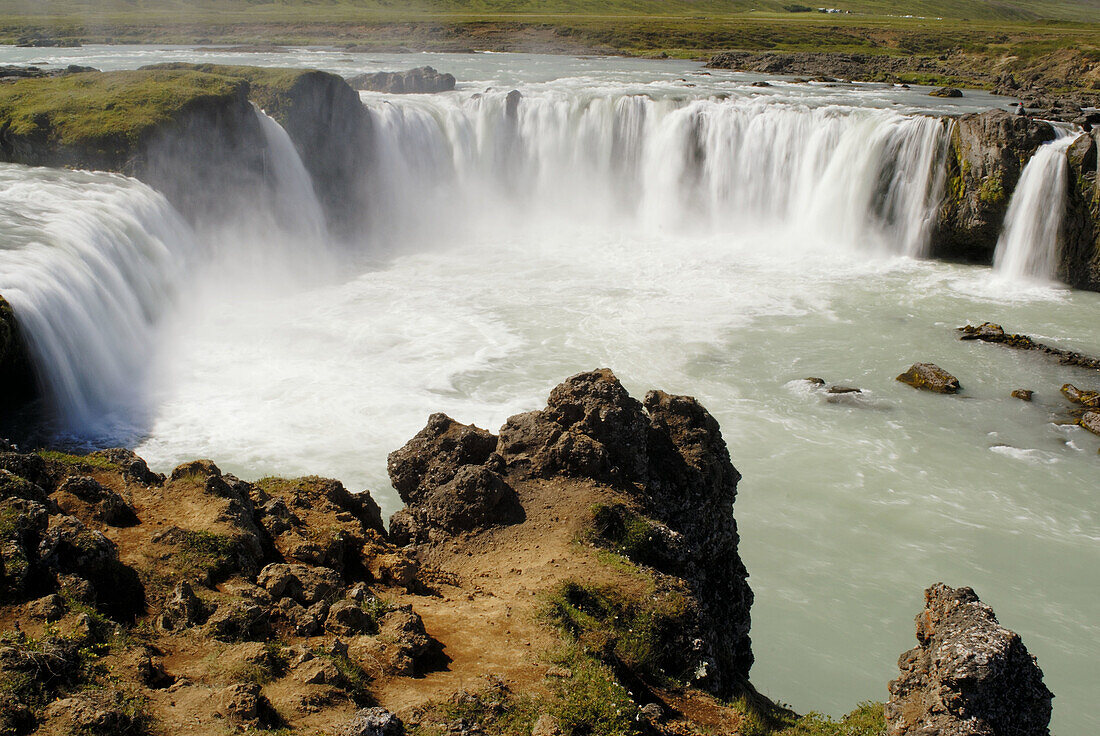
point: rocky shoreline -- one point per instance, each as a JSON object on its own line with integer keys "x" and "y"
{"x": 1036, "y": 84}
{"x": 576, "y": 574}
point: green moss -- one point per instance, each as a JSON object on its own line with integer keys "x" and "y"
{"x": 272, "y": 91}
{"x": 992, "y": 190}
{"x": 357, "y": 681}
{"x": 620, "y": 628}
{"x": 493, "y": 710}
{"x": 204, "y": 555}
{"x": 83, "y": 462}
{"x": 868, "y": 719}
{"x": 626, "y": 532}
{"x": 591, "y": 701}
{"x": 107, "y": 111}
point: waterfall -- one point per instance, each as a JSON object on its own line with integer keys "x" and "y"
{"x": 295, "y": 202}
{"x": 859, "y": 178}
{"x": 88, "y": 261}
{"x": 1029, "y": 245}
{"x": 91, "y": 261}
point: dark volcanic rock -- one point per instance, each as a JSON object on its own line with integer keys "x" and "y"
{"x": 81, "y": 492}
{"x": 1079, "y": 264}
{"x": 449, "y": 477}
{"x": 946, "y": 92}
{"x": 930, "y": 377}
{"x": 591, "y": 428}
{"x": 670, "y": 456}
{"x": 968, "y": 676}
{"x": 989, "y": 332}
{"x": 435, "y": 454}
{"x": 988, "y": 153}
{"x": 17, "y": 382}
{"x": 423, "y": 80}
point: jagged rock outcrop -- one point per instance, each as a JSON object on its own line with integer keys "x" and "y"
{"x": 422, "y": 80}
{"x": 988, "y": 152}
{"x": 669, "y": 457}
{"x": 1079, "y": 265}
{"x": 968, "y": 675}
{"x": 17, "y": 383}
{"x": 449, "y": 477}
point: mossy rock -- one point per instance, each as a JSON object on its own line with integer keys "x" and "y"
{"x": 101, "y": 117}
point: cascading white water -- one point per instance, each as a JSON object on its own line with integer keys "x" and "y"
{"x": 88, "y": 261}
{"x": 1028, "y": 247}
{"x": 296, "y": 207}
{"x": 846, "y": 177}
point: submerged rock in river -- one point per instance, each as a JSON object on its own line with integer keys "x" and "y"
{"x": 968, "y": 675}
{"x": 930, "y": 377}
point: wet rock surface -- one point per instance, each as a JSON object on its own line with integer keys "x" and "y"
{"x": 988, "y": 152}
{"x": 994, "y": 333}
{"x": 968, "y": 675}
{"x": 1079, "y": 264}
{"x": 930, "y": 377}
{"x": 16, "y": 373}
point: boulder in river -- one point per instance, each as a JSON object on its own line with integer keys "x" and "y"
{"x": 968, "y": 675}
{"x": 1023, "y": 394}
{"x": 422, "y": 80}
{"x": 1090, "y": 420}
{"x": 1089, "y": 399}
{"x": 930, "y": 377}
{"x": 946, "y": 92}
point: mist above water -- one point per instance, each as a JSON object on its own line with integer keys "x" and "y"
{"x": 716, "y": 240}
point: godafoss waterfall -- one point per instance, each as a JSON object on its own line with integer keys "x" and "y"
{"x": 462, "y": 252}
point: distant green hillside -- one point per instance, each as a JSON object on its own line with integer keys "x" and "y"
{"x": 1087, "y": 11}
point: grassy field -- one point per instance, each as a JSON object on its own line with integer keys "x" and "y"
{"x": 982, "y": 34}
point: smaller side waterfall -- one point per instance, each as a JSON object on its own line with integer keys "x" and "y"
{"x": 1029, "y": 245}
{"x": 296, "y": 205}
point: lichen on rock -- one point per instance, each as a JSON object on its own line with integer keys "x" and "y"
{"x": 968, "y": 675}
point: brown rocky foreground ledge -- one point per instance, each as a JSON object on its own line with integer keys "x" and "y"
{"x": 575, "y": 575}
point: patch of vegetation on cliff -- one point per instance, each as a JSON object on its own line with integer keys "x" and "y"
{"x": 619, "y": 627}
{"x": 203, "y": 555}
{"x": 584, "y": 698}
{"x": 77, "y": 462}
{"x": 271, "y": 89}
{"x": 992, "y": 190}
{"x": 625, "y": 532}
{"x": 104, "y": 110}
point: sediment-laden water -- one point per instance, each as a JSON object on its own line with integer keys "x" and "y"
{"x": 689, "y": 231}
